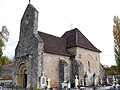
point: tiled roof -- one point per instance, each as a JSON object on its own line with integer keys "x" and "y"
{"x": 74, "y": 38}
{"x": 53, "y": 44}
{"x": 7, "y": 77}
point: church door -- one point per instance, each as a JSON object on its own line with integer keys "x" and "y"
{"x": 25, "y": 80}
{"x": 22, "y": 75}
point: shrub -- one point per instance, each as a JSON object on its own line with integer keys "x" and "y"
{"x": 38, "y": 89}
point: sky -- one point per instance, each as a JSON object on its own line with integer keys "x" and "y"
{"x": 94, "y": 18}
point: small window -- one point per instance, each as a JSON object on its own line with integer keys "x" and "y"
{"x": 79, "y": 55}
{"x": 27, "y": 19}
{"x": 39, "y": 78}
{"x": 96, "y": 58}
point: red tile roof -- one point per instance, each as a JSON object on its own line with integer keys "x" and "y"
{"x": 6, "y": 77}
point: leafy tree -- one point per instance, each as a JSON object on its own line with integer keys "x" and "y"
{"x": 116, "y": 34}
{"x": 111, "y": 70}
{"x": 4, "y": 60}
{"x": 3, "y": 38}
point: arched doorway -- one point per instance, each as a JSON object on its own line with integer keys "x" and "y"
{"x": 22, "y": 75}
{"x": 25, "y": 79}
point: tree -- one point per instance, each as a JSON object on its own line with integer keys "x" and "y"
{"x": 116, "y": 34}
{"x": 111, "y": 70}
{"x": 4, "y": 60}
{"x": 3, "y": 38}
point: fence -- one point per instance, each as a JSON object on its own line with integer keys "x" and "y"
{"x": 13, "y": 88}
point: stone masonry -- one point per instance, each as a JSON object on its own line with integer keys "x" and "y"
{"x": 60, "y": 59}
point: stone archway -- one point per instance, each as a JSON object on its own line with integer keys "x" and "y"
{"x": 22, "y": 75}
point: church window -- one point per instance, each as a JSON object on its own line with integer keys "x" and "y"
{"x": 65, "y": 72}
{"x": 79, "y": 55}
{"x": 39, "y": 78}
{"x": 88, "y": 66}
{"x": 96, "y": 58}
{"x": 27, "y": 19}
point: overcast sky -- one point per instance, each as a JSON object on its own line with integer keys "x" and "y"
{"x": 94, "y": 18}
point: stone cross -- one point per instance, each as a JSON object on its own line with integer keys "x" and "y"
{"x": 107, "y": 80}
{"x": 29, "y": 1}
{"x": 113, "y": 80}
{"x": 101, "y": 80}
{"x": 48, "y": 80}
{"x": 71, "y": 25}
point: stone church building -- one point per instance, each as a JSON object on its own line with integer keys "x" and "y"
{"x": 59, "y": 59}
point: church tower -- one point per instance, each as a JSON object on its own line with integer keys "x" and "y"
{"x": 28, "y": 29}
{"x": 26, "y": 52}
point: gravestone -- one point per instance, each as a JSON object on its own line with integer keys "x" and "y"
{"x": 48, "y": 80}
{"x": 76, "y": 81}
{"x": 43, "y": 81}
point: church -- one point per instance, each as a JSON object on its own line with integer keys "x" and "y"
{"x": 59, "y": 59}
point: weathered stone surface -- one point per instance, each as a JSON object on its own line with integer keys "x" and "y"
{"x": 33, "y": 56}
{"x": 53, "y": 67}
{"x": 91, "y": 62}
{"x": 28, "y": 44}
{"x": 103, "y": 75}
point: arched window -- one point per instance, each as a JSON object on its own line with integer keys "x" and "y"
{"x": 88, "y": 66}
{"x": 65, "y": 71}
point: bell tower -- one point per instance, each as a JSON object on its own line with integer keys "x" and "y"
{"x": 29, "y": 21}
{"x": 28, "y": 29}
{"x": 27, "y": 49}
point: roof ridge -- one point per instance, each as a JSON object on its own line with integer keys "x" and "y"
{"x": 75, "y": 37}
{"x": 51, "y": 35}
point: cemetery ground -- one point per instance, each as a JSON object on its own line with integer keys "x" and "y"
{"x": 87, "y": 88}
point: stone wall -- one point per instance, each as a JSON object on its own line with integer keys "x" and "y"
{"x": 103, "y": 75}
{"x": 29, "y": 42}
{"x": 90, "y": 61}
{"x": 7, "y": 70}
{"x": 51, "y": 67}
